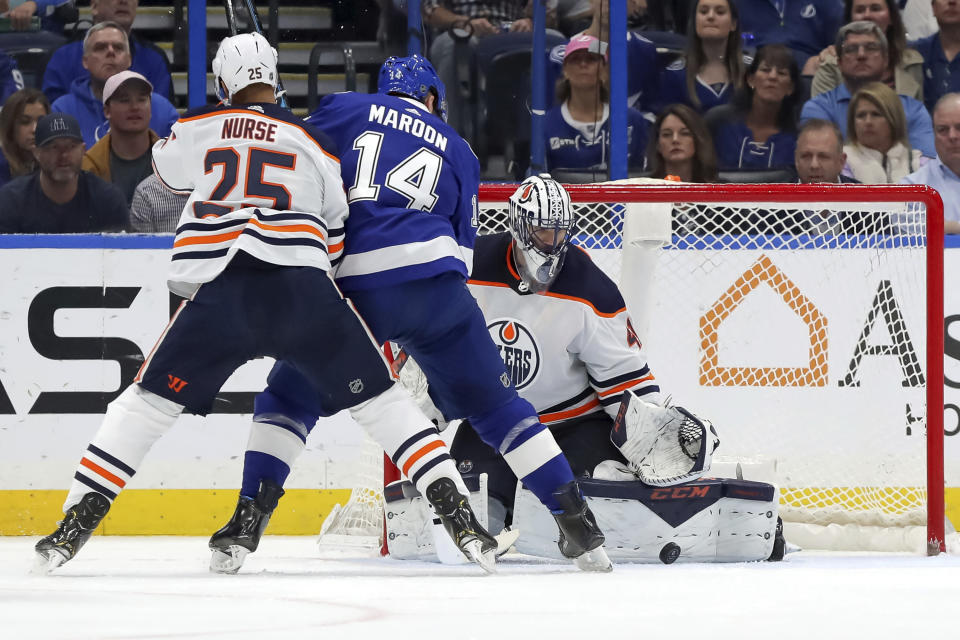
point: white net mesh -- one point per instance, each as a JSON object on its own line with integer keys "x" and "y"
{"x": 798, "y": 329}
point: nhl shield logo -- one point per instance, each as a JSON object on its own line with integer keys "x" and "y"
{"x": 519, "y": 350}
{"x": 356, "y": 386}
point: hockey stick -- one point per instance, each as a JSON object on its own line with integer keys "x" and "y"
{"x": 231, "y": 17}
{"x": 258, "y": 27}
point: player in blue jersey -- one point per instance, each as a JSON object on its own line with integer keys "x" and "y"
{"x": 412, "y": 187}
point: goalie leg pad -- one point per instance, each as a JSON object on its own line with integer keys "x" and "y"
{"x": 716, "y": 520}
{"x": 663, "y": 445}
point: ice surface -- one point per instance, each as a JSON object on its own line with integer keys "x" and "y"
{"x": 159, "y": 587}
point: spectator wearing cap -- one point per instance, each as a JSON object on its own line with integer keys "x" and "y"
{"x": 123, "y": 156}
{"x": 577, "y": 130}
{"x": 146, "y": 58}
{"x": 106, "y": 52}
{"x": 642, "y": 63}
{"x": 60, "y": 197}
{"x": 862, "y": 50}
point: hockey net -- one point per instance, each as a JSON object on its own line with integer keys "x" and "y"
{"x": 806, "y": 322}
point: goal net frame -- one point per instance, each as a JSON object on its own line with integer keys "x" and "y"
{"x": 745, "y": 196}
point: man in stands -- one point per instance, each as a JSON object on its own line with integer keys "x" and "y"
{"x": 941, "y": 66}
{"x": 60, "y": 197}
{"x": 819, "y": 157}
{"x": 123, "y": 155}
{"x": 943, "y": 174}
{"x": 862, "y": 50}
{"x": 147, "y": 59}
{"x": 471, "y": 20}
{"x": 106, "y": 51}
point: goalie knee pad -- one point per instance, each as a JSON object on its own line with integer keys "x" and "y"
{"x": 715, "y": 520}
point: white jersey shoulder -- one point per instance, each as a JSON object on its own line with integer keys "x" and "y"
{"x": 259, "y": 181}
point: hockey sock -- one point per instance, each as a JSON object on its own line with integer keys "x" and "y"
{"x": 408, "y": 437}
{"x": 278, "y": 435}
{"x": 528, "y": 447}
{"x": 133, "y": 422}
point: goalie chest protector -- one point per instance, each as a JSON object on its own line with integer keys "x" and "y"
{"x": 570, "y": 351}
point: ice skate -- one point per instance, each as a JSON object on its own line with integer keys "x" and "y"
{"x": 461, "y": 524}
{"x": 580, "y": 538}
{"x": 241, "y": 536}
{"x": 75, "y": 529}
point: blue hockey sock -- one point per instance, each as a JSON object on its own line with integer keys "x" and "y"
{"x": 259, "y": 466}
{"x": 527, "y": 446}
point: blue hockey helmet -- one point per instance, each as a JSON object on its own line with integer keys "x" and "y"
{"x": 414, "y": 77}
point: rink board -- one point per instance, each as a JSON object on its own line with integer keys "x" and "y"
{"x": 63, "y": 294}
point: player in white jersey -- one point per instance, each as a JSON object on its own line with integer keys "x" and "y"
{"x": 252, "y": 254}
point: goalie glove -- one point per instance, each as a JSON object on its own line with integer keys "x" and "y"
{"x": 663, "y": 445}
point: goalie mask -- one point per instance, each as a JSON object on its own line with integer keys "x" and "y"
{"x": 241, "y": 61}
{"x": 542, "y": 223}
{"x": 415, "y": 78}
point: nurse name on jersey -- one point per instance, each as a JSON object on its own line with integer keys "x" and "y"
{"x": 412, "y": 124}
{"x": 249, "y": 129}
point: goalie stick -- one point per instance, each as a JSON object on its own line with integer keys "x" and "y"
{"x": 258, "y": 27}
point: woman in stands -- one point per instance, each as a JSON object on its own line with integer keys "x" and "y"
{"x": 758, "y": 130}
{"x": 680, "y": 146}
{"x": 878, "y": 149}
{"x": 577, "y": 131}
{"x": 712, "y": 68}
{"x": 905, "y": 72}
{"x": 18, "y": 121}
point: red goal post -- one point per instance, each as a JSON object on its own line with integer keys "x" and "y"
{"x": 861, "y": 266}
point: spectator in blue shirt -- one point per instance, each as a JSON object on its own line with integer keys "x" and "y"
{"x": 105, "y": 53}
{"x": 642, "y": 63}
{"x": 680, "y": 146}
{"x": 943, "y": 174}
{"x": 11, "y": 79}
{"x": 941, "y": 65}
{"x": 759, "y": 130}
{"x": 147, "y": 59}
{"x": 577, "y": 131}
{"x": 806, "y": 26}
{"x": 712, "y": 69}
{"x": 46, "y": 10}
{"x": 18, "y": 121}
{"x": 863, "y": 59}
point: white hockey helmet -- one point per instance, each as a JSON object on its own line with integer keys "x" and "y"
{"x": 243, "y": 60}
{"x": 542, "y": 224}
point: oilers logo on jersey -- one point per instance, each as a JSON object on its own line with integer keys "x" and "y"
{"x": 518, "y": 348}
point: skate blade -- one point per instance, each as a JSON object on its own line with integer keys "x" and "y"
{"x": 505, "y": 540}
{"x": 596, "y": 561}
{"x": 43, "y": 564}
{"x": 487, "y": 561}
{"x": 227, "y": 560}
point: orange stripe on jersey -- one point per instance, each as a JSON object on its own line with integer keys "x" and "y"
{"x": 625, "y": 386}
{"x": 335, "y": 247}
{"x": 485, "y": 283}
{"x": 254, "y": 114}
{"x": 220, "y": 237}
{"x": 424, "y": 450}
{"x": 549, "y": 294}
{"x": 290, "y": 227}
{"x": 103, "y": 472}
{"x": 569, "y": 413}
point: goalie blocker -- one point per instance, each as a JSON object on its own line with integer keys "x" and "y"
{"x": 711, "y": 520}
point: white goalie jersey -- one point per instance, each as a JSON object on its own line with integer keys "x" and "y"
{"x": 260, "y": 181}
{"x": 571, "y": 351}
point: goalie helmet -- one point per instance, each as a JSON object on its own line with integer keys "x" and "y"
{"x": 241, "y": 61}
{"x": 542, "y": 223}
{"x": 415, "y": 78}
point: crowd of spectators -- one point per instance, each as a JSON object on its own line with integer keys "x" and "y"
{"x": 800, "y": 90}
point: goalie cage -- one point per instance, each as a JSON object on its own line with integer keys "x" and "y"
{"x": 805, "y": 321}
